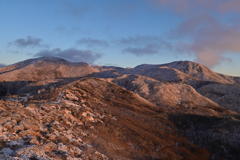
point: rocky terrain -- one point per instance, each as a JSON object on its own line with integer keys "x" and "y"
{"x": 54, "y": 109}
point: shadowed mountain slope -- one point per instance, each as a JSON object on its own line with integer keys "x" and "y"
{"x": 176, "y": 97}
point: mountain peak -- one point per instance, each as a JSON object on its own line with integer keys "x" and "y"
{"x": 191, "y": 68}
{"x": 45, "y": 68}
{"x": 51, "y": 59}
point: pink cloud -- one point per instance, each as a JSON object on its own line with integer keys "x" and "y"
{"x": 200, "y": 5}
{"x": 230, "y": 5}
{"x": 207, "y": 39}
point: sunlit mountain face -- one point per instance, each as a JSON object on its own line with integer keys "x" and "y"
{"x": 51, "y": 108}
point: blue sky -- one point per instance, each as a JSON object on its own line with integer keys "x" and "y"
{"x": 123, "y": 33}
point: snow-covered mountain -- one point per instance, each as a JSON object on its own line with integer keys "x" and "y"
{"x": 192, "y": 69}
{"x": 44, "y": 68}
{"x": 51, "y": 67}
{"x": 54, "y": 109}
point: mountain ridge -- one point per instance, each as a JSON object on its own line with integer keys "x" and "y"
{"x": 54, "y": 109}
{"x": 45, "y": 68}
{"x": 188, "y": 67}
{"x": 195, "y": 70}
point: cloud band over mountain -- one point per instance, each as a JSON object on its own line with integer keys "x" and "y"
{"x": 29, "y": 41}
{"x": 71, "y": 54}
{"x": 209, "y": 38}
{"x": 185, "y": 6}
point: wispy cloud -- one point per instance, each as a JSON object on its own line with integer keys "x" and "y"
{"x": 137, "y": 40}
{"x": 146, "y": 50}
{"x": 72, "y": 54}
{"x": 207, "y": 38}
{"x": 121, "y": 9}
{"x": 91, "y": 42}
{"x": 29, "y": 41}
{"x": 201, "y": 35}
{"x": 186, "y": 6}
{"x": 75, "y": 10}
{"x": 144, "y": 45}
{"x": 67, "y": 30}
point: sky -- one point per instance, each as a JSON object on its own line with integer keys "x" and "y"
{"x": 123, "y": 33}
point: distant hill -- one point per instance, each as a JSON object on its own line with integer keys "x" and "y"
{"x": 44, "y": 68}
{"x": 193, "y": 69}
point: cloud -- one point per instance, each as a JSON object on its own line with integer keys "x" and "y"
{"x": 137, "y": 40}
{"x": 67, "y": 30}
{"x": 186, "y": 6}
{"x": 207, "y": 38}
{"x": 90, "y": 42}
{"x": 148, "y": 49}
{"x": 75, "y": 10}
{"x": 201, "y": 35}
{"x": 28, "y": 42}
{"x": 144, "y": 45}
{"x": 121, "y": 9}
{"x": 73, "y": 55}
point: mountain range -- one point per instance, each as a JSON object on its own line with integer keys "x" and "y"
{"x": 54, "y": 109}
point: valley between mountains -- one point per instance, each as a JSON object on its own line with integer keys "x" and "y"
{"x": 54, "y": 109}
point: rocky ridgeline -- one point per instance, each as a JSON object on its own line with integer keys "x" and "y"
{"x": 48, "y": 130}
{"x": 89, "y": 119}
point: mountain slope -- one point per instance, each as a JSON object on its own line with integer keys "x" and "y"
{"x": 95, "y": 119}
{"x": 222, "y": 89}
{"x": 193, "y": 69}
{"x": 44, "y": 68}
{"x": 55, "y": 109}
{"x": 226, "y": 95}
{"x": 177, "y": 97}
